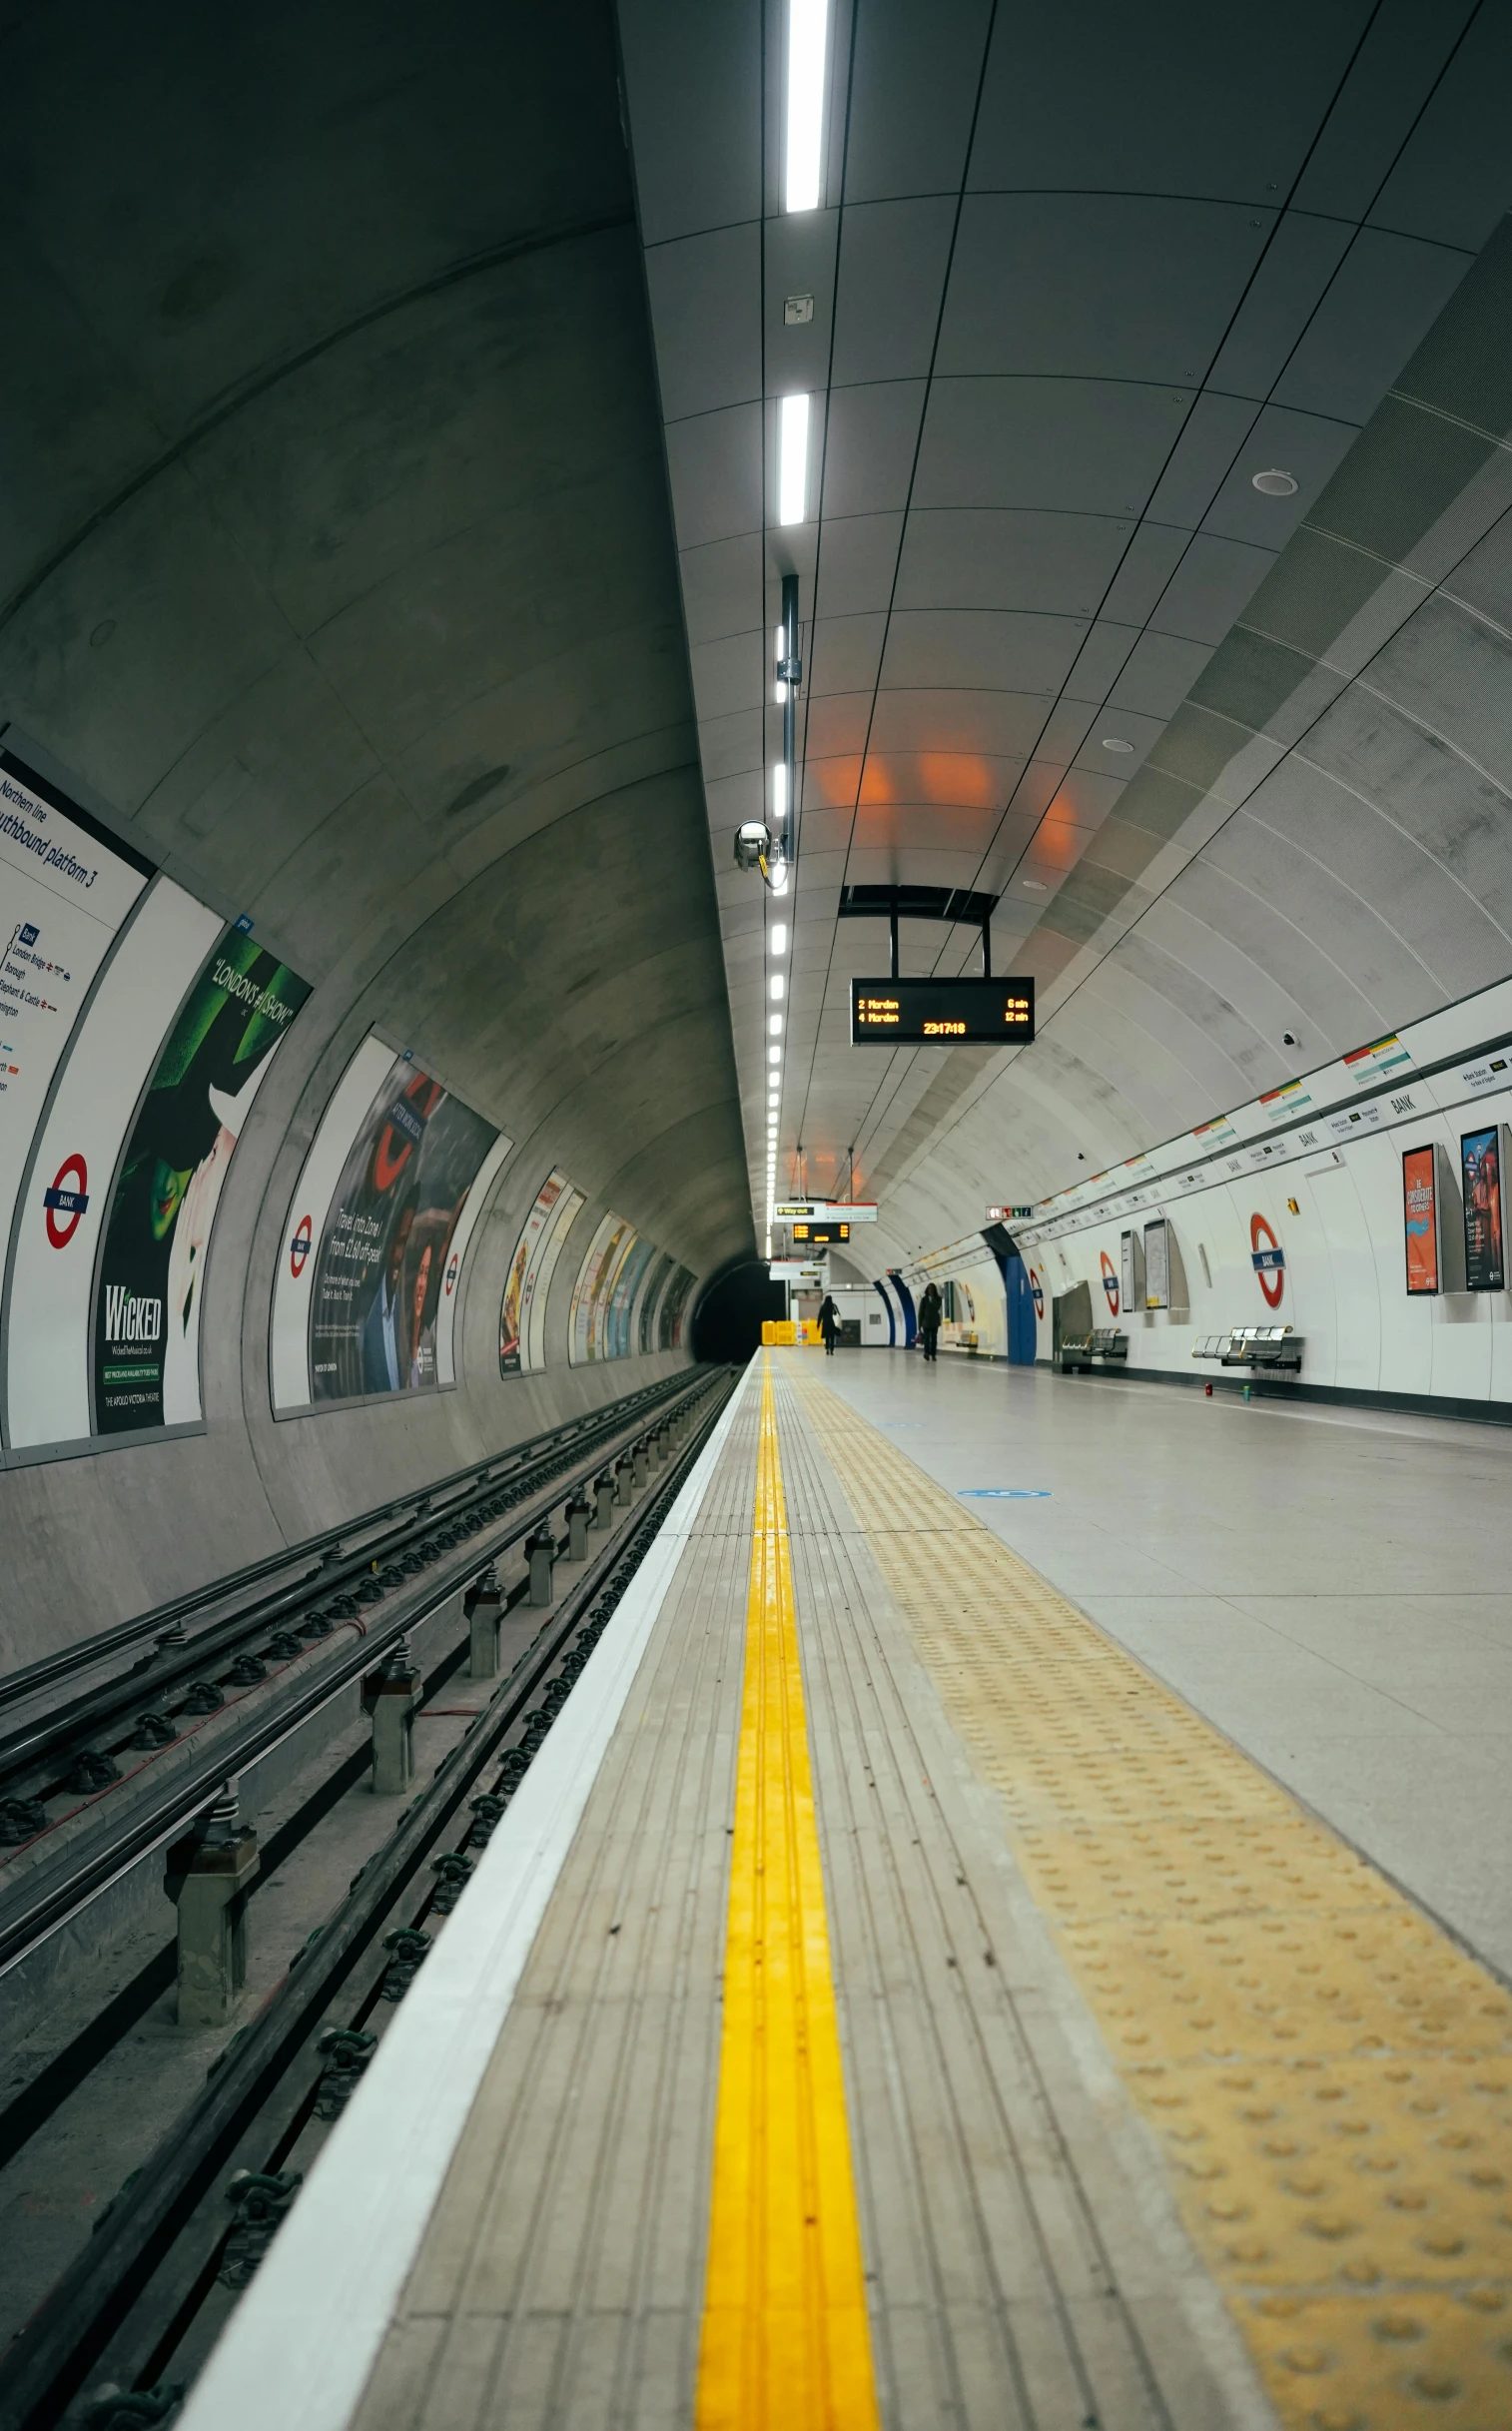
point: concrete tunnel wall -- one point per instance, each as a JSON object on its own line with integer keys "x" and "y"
{"x": 339, "y": 578}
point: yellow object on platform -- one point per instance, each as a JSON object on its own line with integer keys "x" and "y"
{"x": 776, "y": 1330}
{"x": 785, "y": 2335}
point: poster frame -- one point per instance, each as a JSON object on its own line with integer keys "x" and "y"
{"x": 1486, "y": 1130}
{"x": 1161, "y": 1226}
{"x": 1418, "y": 1290}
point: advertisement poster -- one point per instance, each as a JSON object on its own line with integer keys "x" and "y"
{"x": 66, "y": 889}
{"x": 457, "y": 1258}
{"x": 633, "y": 1271}
{"x": 590, "y": 1292}
{"x": 113, "y": 1054}
{"x": 1480, "y": 1170}
{"x": 294, "y": 1273}
{"x": 1156, "y": 1266}
{"x": 674, "y": 1310}
{"x": 1420, "y": 1217}
{"x": 650, "y": 1300}
{"x": 156, "y": 1237}
{"x": 382, "y": 1259}
{"x": 523, "y": 1312}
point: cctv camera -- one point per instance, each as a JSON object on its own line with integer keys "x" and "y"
{"x": 752, "y": 844}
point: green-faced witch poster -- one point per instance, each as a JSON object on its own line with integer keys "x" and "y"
{"x": 151, "y": 1284}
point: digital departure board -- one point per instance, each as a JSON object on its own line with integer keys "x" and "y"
{"x": 941, "y": 1011}
{"x": 820, "y": 1236}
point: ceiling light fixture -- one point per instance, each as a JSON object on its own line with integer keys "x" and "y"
{"x": 779, "y": 936}
{"x": 807, "y": 29}
{"x": 1035, "y": 886}
{"x": 774, "y": 1054}
{"x": 792, "y": 460}
{"x": 779, "y": 878}
{"x": 1273, "y": 483}
{"x": 776, "y": 982}
{"x": 1116, "y": 742}
{"x": 774, "y": 1025}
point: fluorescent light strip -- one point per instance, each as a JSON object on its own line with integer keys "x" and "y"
{"x": 792, "y": 460}
{"x": 807, "y": 31}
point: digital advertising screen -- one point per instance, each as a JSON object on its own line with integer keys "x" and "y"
{"x": 1421, "y": 1219}
{"x": 150, "y": 1285}
{"x": 383, "y": 1261}
{"x": 1156, "y": 1266}
{"x": 1480, "y": 1177}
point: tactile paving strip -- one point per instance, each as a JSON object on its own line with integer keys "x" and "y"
{"x": 1329, "y": 2073}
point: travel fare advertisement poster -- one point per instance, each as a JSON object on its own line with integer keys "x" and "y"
{"x": 382, "y": 1252}
{"x": 150, "y": 1283}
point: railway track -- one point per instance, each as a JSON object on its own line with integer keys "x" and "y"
{"x": 96, "y": 1778}
{"x": 131, "y": 2319}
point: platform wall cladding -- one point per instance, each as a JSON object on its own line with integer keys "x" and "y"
{"x": 1364, "y": 1206}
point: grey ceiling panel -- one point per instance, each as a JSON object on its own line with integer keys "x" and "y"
{"x": 1404, "y": 51}
{"x": 871, "y": 437}
{"x": 708, "y": 336}
{"x": 1339, "y": 924}
{"x": 1078, "y": 447}
{"x": 914, "y": 88}
{"x": 1002, "y": 724}
{"x": 1388, "y": 293}
{"x": 715, "y": 466}
{"x": 936, "y": 647}
{"x": 721, "y": 583}
{"x": 1451, "y": 183}
{"x": 1211, "y": 587}
{"x": 800, "y": 261}
{"x": 892, "y": 272}
{"x": 1123, "y": 725}
{"x": 1161, "y": 670}
{"x": 837, "y": 723}
{"x": 1448, "y": 672}
{"x": 1154, "y": 552}
{"x": 693, "y": 84}
{"x": 1212, "y": 435}
{"x": 1164, "y": 98}
{"x": 727, "y": 674}
{"x": 858, "y": 558}
{"x": 1301, "y": 256}
{"x": 731, "y": 800}
{"x": 844, "y": 653}
{"x": 965, "y": 557}
{"x": 1171, "y": 933}
{"x": 1101, "y": 661}
{"x": 729, "y": 743}
{"x": 1304, "y": 444}
{"x": 1095, "y": 287}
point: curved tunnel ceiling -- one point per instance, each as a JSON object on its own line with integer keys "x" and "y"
{"x": 1232, "y": 758}
{"x": 336, "y": 556}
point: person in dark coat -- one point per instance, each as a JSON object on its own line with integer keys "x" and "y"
{"x": 930, "y": 1311}
{"x": 829, "y": 1324}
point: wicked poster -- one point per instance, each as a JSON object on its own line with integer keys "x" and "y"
{"x": 150, "y": 1285}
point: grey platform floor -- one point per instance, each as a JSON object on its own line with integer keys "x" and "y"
{"x": 1025, "y": 2267}
{"x": 1331, "y": 1587}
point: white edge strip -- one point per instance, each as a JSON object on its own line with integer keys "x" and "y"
{"x": 300, "y": 2347}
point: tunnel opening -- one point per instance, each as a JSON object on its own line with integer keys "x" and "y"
{"x": 728, "y": 1321}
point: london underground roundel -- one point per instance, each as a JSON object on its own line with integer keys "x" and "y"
{"x": 299, "y": 1247}
{"x": 1268, "y": 1260}
{"x": 65, "y": 1202}
{"x": 1037, "y": 1290}
{"x": 1109, "y": 1282}
{"x": 450, "y": 1282}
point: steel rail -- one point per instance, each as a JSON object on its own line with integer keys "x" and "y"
{"x": 105, "y": 2286}
{"x": 327, "y": 1571}
{"x": 48, "y": 1897}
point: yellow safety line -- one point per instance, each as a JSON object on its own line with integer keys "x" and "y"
{"x": 785, "y": 2336}
{"x": 1329, "y": 2074}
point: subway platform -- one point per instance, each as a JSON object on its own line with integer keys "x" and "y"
{"x": 916, "y": 1985}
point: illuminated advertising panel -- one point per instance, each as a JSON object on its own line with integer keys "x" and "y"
{"x": 1421, "y": 1219}
{"x": 634, "y": 1269}
{"x": 590, "y": 1292}
{"x": 294, "y": 1274}
{"x": 381, "y": 1263}
{"x": 65, "y": 890}
{"x": 1480, "y": 1175}
{"x": 1156, "y": 1264}
{"x": 60, "y": 1216}
{"x": 151, "y": 1287}
{"x": 522, "y": 1311}
{"x": 455, "y": 1263}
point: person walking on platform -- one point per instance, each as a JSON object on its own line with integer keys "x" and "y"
{"x": 930, "y": 1313}
{"x": 829, "y": 1324}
